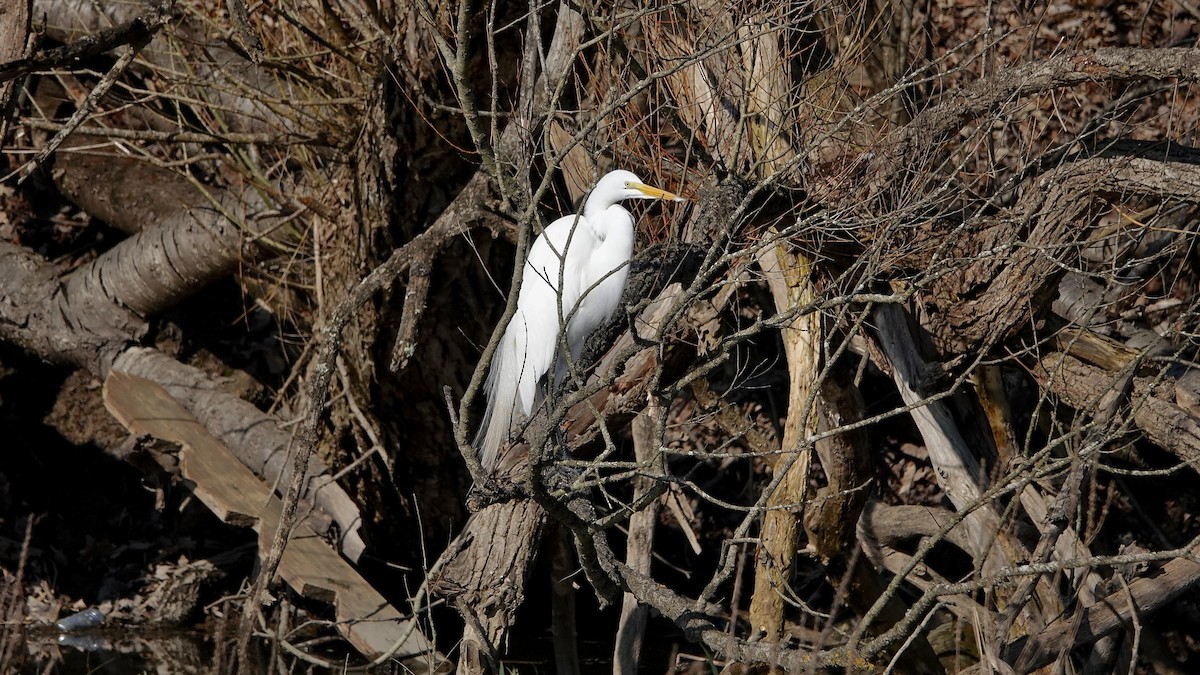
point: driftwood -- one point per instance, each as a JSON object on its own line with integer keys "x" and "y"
{"x": 1140, "y": 598}
{"x": 958, "y": 469}
{"x": 237, "y": 497}
{"x": 790, "y": 281}
{"x": 1153, "y": 404}
{"x": 138, "y": 196}
{"x": 241, "y": 427}
{"x": 975, "y": 304}
{"x": 91, "y": 316}
{"x": 640, "y": 546}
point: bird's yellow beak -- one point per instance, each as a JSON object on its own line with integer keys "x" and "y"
{"x": 656, "y": 193}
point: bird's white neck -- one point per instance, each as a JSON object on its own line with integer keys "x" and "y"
{"x": 593, "y": 208}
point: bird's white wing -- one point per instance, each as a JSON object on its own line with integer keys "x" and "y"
{"x": 527, "y": 349}
{"x": 602, "y": 278}
{"x": 570, "y": 240}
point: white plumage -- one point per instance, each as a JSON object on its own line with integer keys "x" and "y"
{"x": 590, "y": 254}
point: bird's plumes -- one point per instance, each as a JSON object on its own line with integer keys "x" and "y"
{"x": 575, "y": 273}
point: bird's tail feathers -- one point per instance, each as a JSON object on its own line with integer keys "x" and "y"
{"x": 502, "y": 405}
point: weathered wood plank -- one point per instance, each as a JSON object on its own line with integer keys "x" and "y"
{"x": 238, "y": 497}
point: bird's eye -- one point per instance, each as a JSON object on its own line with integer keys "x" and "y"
{"x": 626, "y": 183}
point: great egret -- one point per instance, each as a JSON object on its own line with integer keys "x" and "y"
{"x": 590, "y": 253}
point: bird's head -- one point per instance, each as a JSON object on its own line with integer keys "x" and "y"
{"x": 619, "y": 185}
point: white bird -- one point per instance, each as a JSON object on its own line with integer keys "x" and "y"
{"x": 590, "y": 254}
